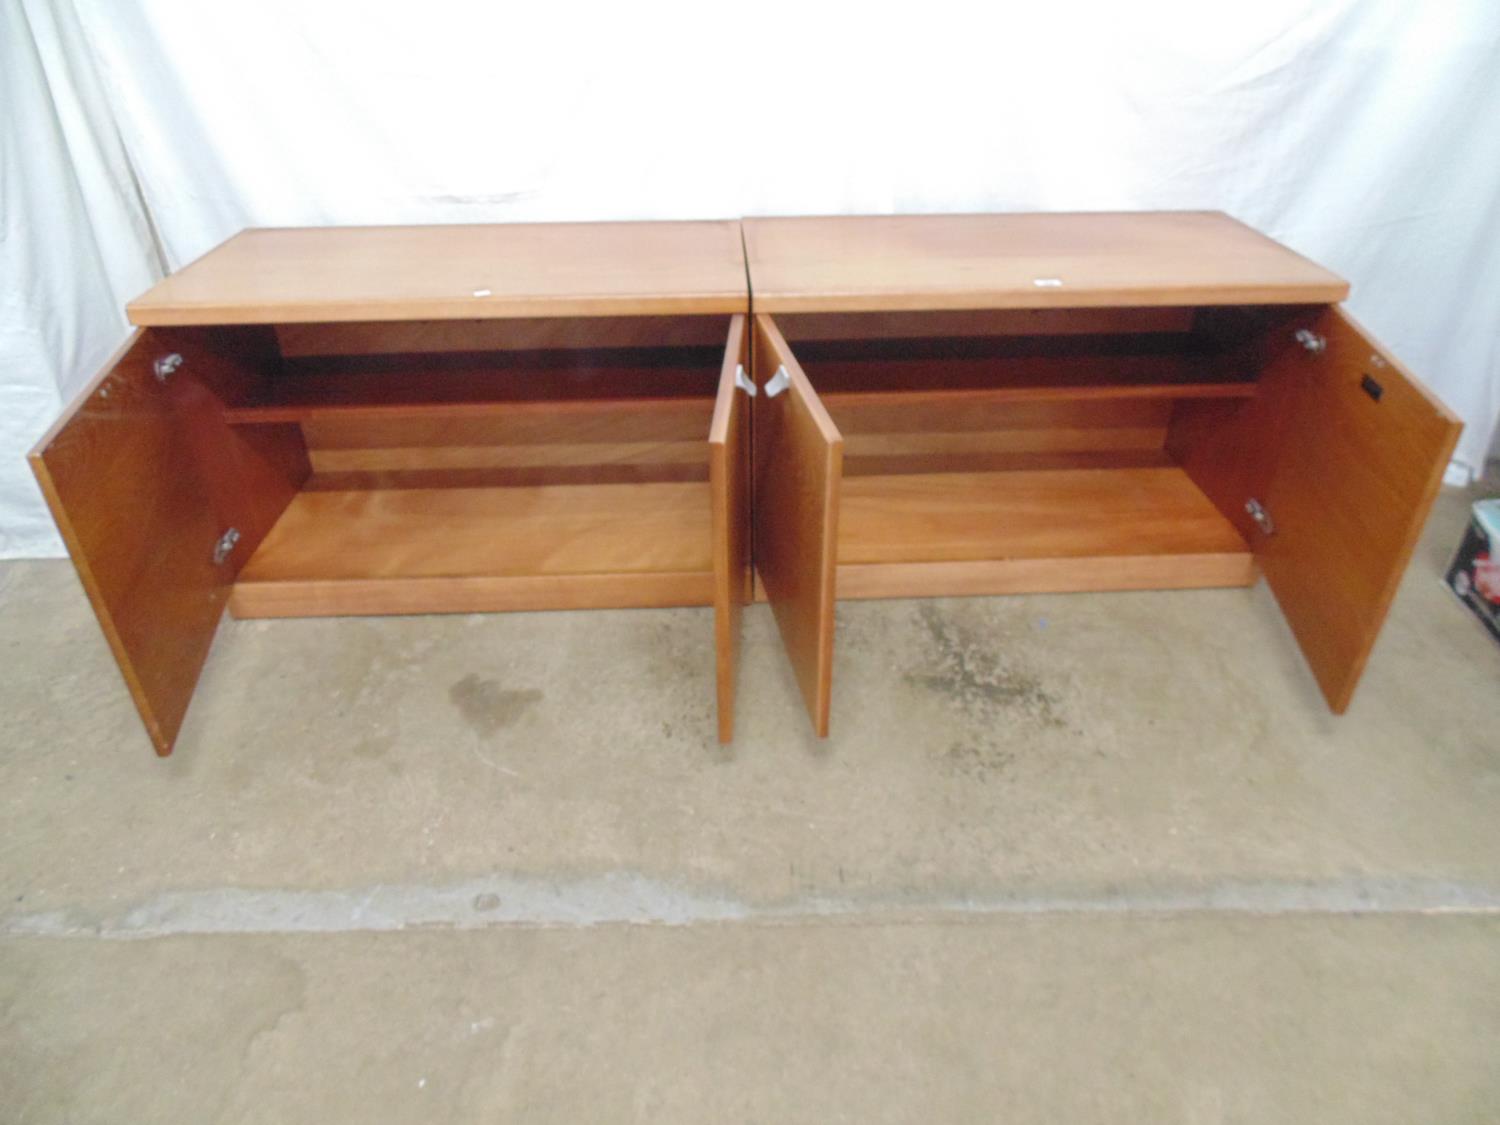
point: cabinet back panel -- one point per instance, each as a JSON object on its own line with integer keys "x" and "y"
{"x": 908, "y": 433}
{"x": 612, "y": 441}
{"x": 1022, "y": 361}
{"x": 801, "y": 329}
{"x": 308, "y": 385}
{"x": 504, "y": 418}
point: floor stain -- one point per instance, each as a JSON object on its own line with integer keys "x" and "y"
{"x": 978, "y": 760}
{"x": 487, "y": 707}
{"x": 375, "y": 746}
{"x": 971, "y": 675}
{"x": 990, "y": 695}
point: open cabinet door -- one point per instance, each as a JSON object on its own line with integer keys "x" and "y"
{"x": 145, "y": 481}
{"x": 1358, "y": 454}
{"x": 798, "y": 466}
{"x": 729, "y": 478}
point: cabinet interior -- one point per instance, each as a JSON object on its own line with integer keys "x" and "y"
{"x": 467, "y": 466}
{"x": 1032, "y": 450}
{"x": 485, "y": 465}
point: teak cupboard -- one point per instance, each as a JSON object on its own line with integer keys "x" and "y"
{"x": 462, "y": 419}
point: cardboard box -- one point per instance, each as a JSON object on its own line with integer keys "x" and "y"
{"x": 1475, "y": 573}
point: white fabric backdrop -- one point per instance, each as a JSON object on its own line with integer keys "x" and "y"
{"x": 140, "y": 133}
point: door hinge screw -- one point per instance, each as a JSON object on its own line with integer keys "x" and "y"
{"x": 225, "y": 545}
{"x": 1310, "y": 340}
{"x": 165, "y": 365}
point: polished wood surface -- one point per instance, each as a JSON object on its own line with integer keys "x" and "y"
{"x": 481, "y": 593}
{"x": 797, "y": 465}
{"x": 143, "y": 477}
{"x": 947, "y": 430}
{"x": 1353, "y": 479}
{"x": 531, "y": 443}
{"x": 729, "y": 482}
{"x": 942, "y": 262}
{"x": 469, "y": 550}
{"x": 1049, "y": 514}
{"x": 331, "y": 274}
{"x": 1046, "y": 576}
{"x": 452, "y": 532}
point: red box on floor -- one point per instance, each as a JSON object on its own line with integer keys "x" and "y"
{"x": 1475, "y": 572}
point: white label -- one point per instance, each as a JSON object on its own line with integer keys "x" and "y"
{"x": 1047, "y": 282}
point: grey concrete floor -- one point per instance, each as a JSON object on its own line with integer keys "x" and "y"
{"x": 1066, "y": 858}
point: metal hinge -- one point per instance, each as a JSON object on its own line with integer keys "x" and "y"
{"x": 1310, "y": 340}
{"x": 778, "y": 382}
{"x": 164, "y": 365}
{"x": 225, "y": 545}
{"x": 743, "y": 381}
{"x": 1261, "y": 517}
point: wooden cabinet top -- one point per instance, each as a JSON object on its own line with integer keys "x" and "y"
{"x": 1041, "y": 260}
{"x": 456, "y": 272}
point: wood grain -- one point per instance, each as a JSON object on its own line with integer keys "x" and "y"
{"x": 471, "y": 549}
{"x": 1046, "y": 576}
{"x": 1352, "y": 482}
{"x": 729, "y": 482}
{"x": 142, "y": 477}
{"x": 522, "y": 443}
{"x": 1044, "y": 514}
{"x": 335, "y": 274}
{"x": 797, "y": 468}
{"x": 948, "y": 430}
{"x": 359, "y": 597}
{"x": 942, "y": 262}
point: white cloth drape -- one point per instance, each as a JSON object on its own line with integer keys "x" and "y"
{"x": 1364, "y": 133}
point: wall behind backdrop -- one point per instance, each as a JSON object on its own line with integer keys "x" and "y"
{"x": 137, "y": 134}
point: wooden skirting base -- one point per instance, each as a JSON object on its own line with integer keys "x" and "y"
{"x": 359, "y": 597}
{"x": 1045, "y": 576}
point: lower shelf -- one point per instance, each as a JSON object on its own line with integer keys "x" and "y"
{"x": 1033, "y": 531}
{"x": 471, "y": 550}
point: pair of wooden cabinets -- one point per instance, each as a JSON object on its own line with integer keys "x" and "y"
{"x": 462, "y": 419}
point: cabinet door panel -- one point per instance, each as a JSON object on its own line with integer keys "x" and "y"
{"x": 729, "y": 479}
{"x": 798, "y": 465}
{"x": 143, "y": 477}
{"x": 1360, "y": 447}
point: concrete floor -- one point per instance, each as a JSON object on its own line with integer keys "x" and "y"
{"x": 1067, "y": 858}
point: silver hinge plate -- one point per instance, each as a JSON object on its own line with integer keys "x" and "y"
{"x": 1261, "y": 517}
{"x": 164, "y": 365}
{"x": 742, "y": 381}
{"x": 225, "y": 545}
{"x": 778, "y": 382}
{"x": 1311, "y": 341}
